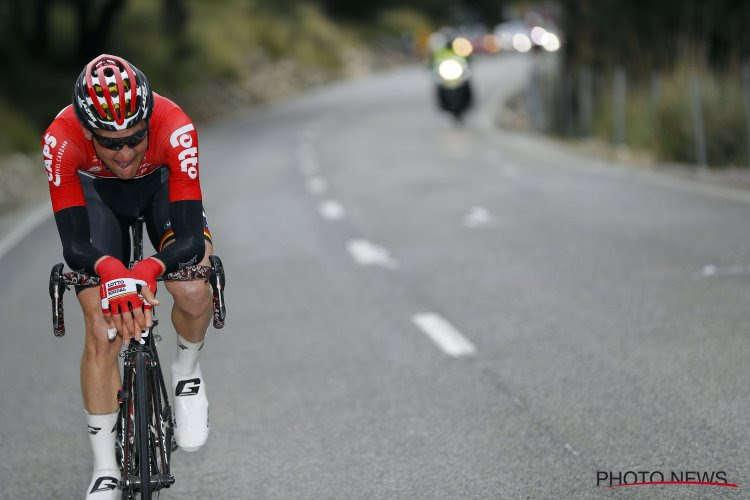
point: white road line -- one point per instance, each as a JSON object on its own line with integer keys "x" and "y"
{"x": 317, "y": 185}
{"x": 477, "y": 217}
{"x": 444, "y": 334}
{"x": 570, "y": 449}
{"x": 711, "y": 270}
{"x": 331, "y": 210}
{"x": 368, "y": 254}
{"x": 24, "y": 227}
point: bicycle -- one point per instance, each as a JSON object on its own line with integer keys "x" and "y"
{"x": 145, "y": 425}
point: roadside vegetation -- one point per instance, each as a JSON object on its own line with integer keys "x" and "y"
{"x": 681, "y": 95}
{"x": 657, "y": 119}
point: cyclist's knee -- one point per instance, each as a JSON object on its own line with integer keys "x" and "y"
{"x": 97, "y": 344}
{"x": 192, "y": 297}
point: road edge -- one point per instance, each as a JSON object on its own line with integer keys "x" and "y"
{"x": 33, "y": 218}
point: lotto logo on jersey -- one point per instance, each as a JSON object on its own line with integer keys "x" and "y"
{"x": 189, "y": 155}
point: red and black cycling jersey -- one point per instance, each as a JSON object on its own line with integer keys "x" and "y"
{"x": 172, "y": 141}
{"x": 172, "y": 144}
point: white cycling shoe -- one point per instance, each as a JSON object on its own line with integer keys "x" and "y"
{"x": 105, "y": 485}
{"x": 190, "y": 409}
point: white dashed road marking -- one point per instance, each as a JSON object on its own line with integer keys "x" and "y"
{"x": 444, "y": 335}
{"x": 332, "y": 210}
{"x": 368, "y": 254}
{"x": 712, "y": 270}
{"x": 571, "y": 450}
{"x": 477, "y": 217}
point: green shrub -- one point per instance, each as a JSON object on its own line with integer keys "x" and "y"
{"x": 399, "y": 20}
{"x": 724, "y": 122}
{"x": 664, "y": 126}
{"x": 18, "y": 133}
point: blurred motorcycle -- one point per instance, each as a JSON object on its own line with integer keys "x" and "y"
{"x": 453, "y": 85}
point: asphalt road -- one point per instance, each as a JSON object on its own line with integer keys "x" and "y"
{"x": 424, "y": 311}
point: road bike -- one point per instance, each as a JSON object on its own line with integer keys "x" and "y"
{"x": 145, "y": 424}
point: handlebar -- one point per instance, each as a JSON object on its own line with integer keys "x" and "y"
{"x": 60, "y": 281}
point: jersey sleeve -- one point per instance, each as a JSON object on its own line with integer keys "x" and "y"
{"x": 62, "y": 158}
{"x": 179, "y": 147}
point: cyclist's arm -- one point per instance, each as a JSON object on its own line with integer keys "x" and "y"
{"x": 64, "y": 152}
{"x": 176, "y": 143}
{"x": 188, "y": 248}
{"x": 73, "y": 226}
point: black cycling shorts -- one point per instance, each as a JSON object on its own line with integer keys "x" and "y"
{"x": 113, "y": 204}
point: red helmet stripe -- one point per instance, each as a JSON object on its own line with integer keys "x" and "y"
{"x": 105, "y": 89}
{"x": 108, "y": 61}
{"x": 133, "y": 88}
{"x": 92, "y": 92}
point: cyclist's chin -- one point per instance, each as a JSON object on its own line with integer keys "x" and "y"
{"x": 124, "y": 170}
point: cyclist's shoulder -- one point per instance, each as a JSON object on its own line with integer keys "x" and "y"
{"x": 65, "y": 124}
{"x": 168, "y": 118}
{"x": 64, "y": 135}
{"x": 167, "y": 113}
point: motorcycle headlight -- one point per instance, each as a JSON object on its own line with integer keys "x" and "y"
{"x": 450, "y": 70}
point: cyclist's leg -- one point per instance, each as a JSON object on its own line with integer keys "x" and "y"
{"x": 100, "y": 380}
{"x": 100, "y": 376}
{"x": 191, "y": 315}
{"x": 193, "y": 304}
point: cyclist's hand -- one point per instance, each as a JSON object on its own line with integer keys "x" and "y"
{"x": 145, "y": 272}
{"x": 111, "y": 329}
{"x": 120, "y": 299}
{"x": 148, "y": 302}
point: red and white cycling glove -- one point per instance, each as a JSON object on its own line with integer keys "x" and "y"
{"x": 118, "y": 287}
{"x": 145, "y": 272}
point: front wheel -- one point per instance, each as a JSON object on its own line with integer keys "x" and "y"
{"x": 142, "y": 418}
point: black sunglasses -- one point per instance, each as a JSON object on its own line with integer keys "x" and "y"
{"x": 117, "y": 143}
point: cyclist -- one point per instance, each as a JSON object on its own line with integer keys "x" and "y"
{"x": 121, "y": 151}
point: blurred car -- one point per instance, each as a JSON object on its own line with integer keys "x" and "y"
{"x": 517, "y": 36}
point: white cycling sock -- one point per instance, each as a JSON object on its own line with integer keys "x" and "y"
{"x": 187, "y": 355}
{"x": 102, "y": 433}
